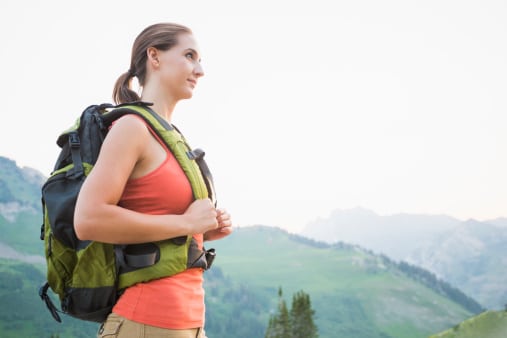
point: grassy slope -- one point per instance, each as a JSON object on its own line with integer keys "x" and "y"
{"x": 348, "y": 288}
{"x": 490, "y": 324}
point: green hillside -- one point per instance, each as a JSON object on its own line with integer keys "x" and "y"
{"x": 490, "y": 324}
{"x": 23, "y": 314}
{"x": 354, "y": 293}
{"x": 23, "y": 232}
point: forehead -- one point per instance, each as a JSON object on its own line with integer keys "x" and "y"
{"x": 187, "y": 41}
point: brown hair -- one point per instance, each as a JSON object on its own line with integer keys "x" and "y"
{"x": 162, "y": 36}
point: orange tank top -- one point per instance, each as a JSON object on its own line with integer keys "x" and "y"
{"x": 175, "y": 302}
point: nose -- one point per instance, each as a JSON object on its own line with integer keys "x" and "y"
{"x": 198, "y": 70}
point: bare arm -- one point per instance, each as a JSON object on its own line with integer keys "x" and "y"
{"x": 98, "y": 217}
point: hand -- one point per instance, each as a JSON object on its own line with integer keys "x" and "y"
{"x": 202, "y": 216}
{"x": 224, "y": 226}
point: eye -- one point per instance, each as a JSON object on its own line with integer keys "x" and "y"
{"x": 190, "y": 55}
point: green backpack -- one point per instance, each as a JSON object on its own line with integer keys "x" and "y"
{"x": 89, "y": 276}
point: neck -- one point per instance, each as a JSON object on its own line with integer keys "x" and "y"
{"x": 164, "y": 109}
{"x": 162, "y": 105}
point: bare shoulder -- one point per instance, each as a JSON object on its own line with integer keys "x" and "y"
{"x": 129, "y": 129}
{"x": 130, "y": 123}
{"x": 123, "y": 147}
{"x": 125, "y": 142}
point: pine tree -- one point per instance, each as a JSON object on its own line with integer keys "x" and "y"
{"x": 278, "y": 326}
{"x": 301, "y": 317}
{"x": 296, "y": 323}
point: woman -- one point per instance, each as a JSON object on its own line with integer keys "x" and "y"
{"x": 138, "y": 193}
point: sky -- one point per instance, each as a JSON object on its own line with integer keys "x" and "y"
{"x": 305, "y": 106}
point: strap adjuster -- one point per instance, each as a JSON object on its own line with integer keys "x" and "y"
{"x": 196, "y": 154}
{"x": 74, "y": 140}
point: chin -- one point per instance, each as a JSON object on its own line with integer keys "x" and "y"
{"x": 184, "y": 96}
{"x": 187, "y": 95}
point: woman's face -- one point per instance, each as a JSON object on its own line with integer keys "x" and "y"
{"x": 180, "y": 67}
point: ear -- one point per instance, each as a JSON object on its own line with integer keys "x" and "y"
{"x": 152, "y": 55}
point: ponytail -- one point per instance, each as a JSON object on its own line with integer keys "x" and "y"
{"x": 122, "y": 92}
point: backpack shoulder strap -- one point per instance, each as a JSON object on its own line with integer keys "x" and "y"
{"x": 191, "y": 161}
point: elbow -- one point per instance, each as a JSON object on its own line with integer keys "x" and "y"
{"x": 82, "y": 228}
{"x": 80, "y": 231}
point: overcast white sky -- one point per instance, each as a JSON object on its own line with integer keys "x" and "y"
{"x": 395, "y": 106}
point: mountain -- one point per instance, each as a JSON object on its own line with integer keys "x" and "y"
{"x": 499, "y": 222}
{"x": 354, "y": 292}
{"x": 395, "y": 236}
{"x": 470, "y": 255}
{"x": 490, "y": 324}
{"x": 19, "y": 187}
{"x": 20, "y": 210}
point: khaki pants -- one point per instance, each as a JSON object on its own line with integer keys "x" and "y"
{"x": 119, "y": 327}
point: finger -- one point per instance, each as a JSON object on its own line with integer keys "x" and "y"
{"x": 223, "y": 214}
{"x": 226, "y": 223}
{"x": 226, "y": 230}
{"x": 219, "y": 214}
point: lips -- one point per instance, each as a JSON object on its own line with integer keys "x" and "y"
{"x": 193, "y": 82}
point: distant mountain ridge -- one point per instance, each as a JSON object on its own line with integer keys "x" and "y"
{"x": 395, "y": 235}
{"x": 19, "y": 187}
{"x": 499, "y": 222}
{"x": 20, "y": 211}
{"x": 470, "y": 255}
